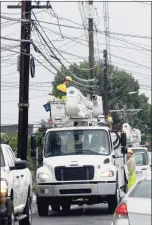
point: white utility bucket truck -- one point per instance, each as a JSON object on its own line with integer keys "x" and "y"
{"x": 79, "y": 161}
{"x": 143, "y": 162}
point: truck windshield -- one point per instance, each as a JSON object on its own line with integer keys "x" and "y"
{"x": 77, "y": 142}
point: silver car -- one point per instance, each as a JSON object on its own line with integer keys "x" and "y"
{"x": 135, "y": 207}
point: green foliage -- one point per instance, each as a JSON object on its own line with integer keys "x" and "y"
{"x": 13, "y": 143}
{"x": 4, "y": 137}
{"x": 119, "y": 85}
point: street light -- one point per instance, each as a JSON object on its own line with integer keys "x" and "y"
{"x": 129, "y": 93}
{"x": 132, "y": 92}
{"x": 110, "y": 111}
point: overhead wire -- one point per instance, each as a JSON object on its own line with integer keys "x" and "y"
{"x": 45, "y": 22}
{"x": 77, "y": 78}
{"x": 59, "y": 52}
{"x": 78, "y": 38}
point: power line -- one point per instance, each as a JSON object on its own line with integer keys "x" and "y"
{"x": 79, "y": 28}
{"x": 127, "y": 60}
{"x": 77, "y": 78}
{"x": 58, "y": 50}
{"x": 13, "y": 100}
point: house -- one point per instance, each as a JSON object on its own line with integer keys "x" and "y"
{"x": 12, "y": 129}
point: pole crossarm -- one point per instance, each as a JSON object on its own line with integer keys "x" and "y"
{"x": 128, "y": 110}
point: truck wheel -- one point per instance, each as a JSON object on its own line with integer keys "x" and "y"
{"x": 28, "y": 212}
{"x": 42, "y": 207}
{"x": 55, "y": 207}
{"x": 11, "y": 217}
{"x": 112, "y": 203}
{"x": 66, "y": 207}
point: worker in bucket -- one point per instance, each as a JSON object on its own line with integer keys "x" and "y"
{"x": 131, "y": 164}
{"x": 62, "y": 88}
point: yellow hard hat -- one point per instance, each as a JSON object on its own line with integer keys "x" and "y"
{"x": 130, "y": 151}
{"x": 68, "y": 78}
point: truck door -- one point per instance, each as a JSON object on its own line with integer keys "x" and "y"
{"x": 21, "y": 178}
{"x": 118, "y": 161}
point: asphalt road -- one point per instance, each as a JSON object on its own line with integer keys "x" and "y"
{"x": 93, "y": 215}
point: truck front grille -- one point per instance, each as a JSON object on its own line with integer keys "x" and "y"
{"x": 75, "y": 191}
{"x": 74, "y": 173}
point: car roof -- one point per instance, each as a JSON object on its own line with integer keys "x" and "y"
{"x": 3, "y": 145}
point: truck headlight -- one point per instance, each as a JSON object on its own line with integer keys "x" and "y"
{"x": 43, "y": 176}
{"x": 108, "y": 173}
{"x": 3, "y": 187}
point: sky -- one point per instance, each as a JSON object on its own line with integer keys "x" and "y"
{"x": 132, "y": 54}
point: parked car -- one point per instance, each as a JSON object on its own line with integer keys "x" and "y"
{"x": 135, "y": 207}
{"x": 143, "y": 163}
{"x": 15, "y": 189}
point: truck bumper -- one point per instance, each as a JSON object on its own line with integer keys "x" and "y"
{"x": 76, "y": 189}
{"x": 5, "y": 209}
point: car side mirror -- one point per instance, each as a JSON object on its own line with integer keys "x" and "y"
{"x": 19, "y": 165}
{"x": 123, "y": 139}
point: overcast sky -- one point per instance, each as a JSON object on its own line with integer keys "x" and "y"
{"x": 131, "y": 18}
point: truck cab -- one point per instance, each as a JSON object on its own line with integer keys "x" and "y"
{"x": 79, "y": 167}
{"x": 80, "y": 164}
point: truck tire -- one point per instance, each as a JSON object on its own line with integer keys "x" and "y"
{"x": 113, "y": 199}
{"x": 11, "y": 217}
{"x": 112, "y": 203}
{"x": 55, "y": 206}
{"x": 66, "y": 207}
{"x": 42, "y": 207}
{"x": 28, "y": 212}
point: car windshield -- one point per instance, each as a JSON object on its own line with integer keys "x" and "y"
{"x": 141, "y": 159}
{"x": 142, "y": 190}
{"x": 76, "y": 142}
{"x": 2, "y": 163}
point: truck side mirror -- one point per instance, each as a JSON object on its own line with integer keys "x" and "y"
{"x": 124, "y": 150}
{"x": 123, "y": 140}
{"x": 33, "y": 146}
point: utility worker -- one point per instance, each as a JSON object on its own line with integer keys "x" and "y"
{"x": 62, "y": 88}
{"x": 131, "y": 169}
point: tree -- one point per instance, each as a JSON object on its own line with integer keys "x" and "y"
{"x": 119, "y": 85}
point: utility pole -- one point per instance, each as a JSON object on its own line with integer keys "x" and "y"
{"x": 91, "y": 42}
{"x": 125, "y": 118}
{"x": 105, "y": 81}
{"x": 26, "y": 8}
{"x": 125, "y": 112}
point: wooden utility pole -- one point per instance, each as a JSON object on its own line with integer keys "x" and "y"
{"x": 26, "y": 8}
{"x": 91, "y": 46}
{"x": 105, "y": 69}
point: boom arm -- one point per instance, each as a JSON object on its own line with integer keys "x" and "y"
{"x": 133, "y": 135}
